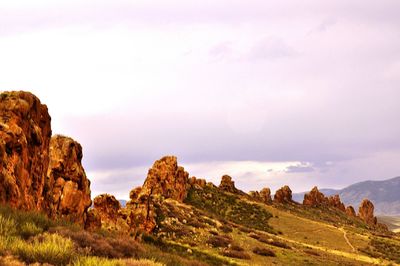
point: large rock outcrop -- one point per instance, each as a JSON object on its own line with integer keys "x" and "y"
{"x": 69, "y": 190}
{"x": 283, "y": 195}
{"x": 165, "y": 180}
{"x": 25, "y": 133}
{"x": 227, "y": 184}
{"x": 335, "y": 202}
{"x": 315, "y": 198}
{"x": 263, "y": 196}
{"x": 366, "y": 212}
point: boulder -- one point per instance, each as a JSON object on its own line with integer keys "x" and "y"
{"x": 265, "y": 195}
{"x": 315, "y": 198}
{"x": 25, "y": 133}
{"x": 69, "y": 188}
{"x": 111, "y": 215}
{"x": 350, "y": 211}
{"x": 366, "y": 212}
{"x": 283, "y": 195}
{"x": 227, "y": 184}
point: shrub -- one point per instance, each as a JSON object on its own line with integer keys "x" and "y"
{"x": 237, "y": 248}
{"x": 29, "y": 229}
{"x": 235, "y": 254}
{"x": 96, "y": 261}
{"x": 270, "y": 241}
{"x": 264, "y": 252}
{"x": 219, "y": 241}
{"x": 7, "y": 226}
{"x": 46, "y": 248}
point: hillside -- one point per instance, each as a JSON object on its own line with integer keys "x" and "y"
{"x": 47, "y": 216}
{"x": 384, "y": 194}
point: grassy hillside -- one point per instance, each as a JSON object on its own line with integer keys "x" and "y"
{"x": 210, "y": 228}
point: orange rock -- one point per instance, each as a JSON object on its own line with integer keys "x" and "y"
{"x": 265, "y": 195}
{"x": 350, "y": 211}
{"x": 227, "y": 184}
{"x": 315, "y": 198}
{"x": 69, "y": 187}
{"x": 25, "y": 133}
{"x": 335, "y": 202}
{"x": 366, "y": 212}
{"x": 283, "y": 195}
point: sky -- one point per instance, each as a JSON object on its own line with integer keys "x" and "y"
{"x": 301, "y": 93}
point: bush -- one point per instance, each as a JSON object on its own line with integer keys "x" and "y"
{"x": 29, "y": 229}
{"x": 103, "y": 246}
{"x": 96, "y": 261}
{"x": 264, "y": 252}
{"x": 270, "y": 241}
{"x": 7, "y": 226}
{"x": 46, "y": 248}
{"x": 235, "y": 254}
{"x": 219, "y": 241}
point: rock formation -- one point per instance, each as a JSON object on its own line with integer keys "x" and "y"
{"x": 350, "y": 211}
{"x": 265, "y": 195}
{"x": 69, "y": 187}
{"x": 315, "y": 198}
{"x": 25, "y": 133}
{"x": 197, "y": 182}
{"x": 366, "y": 212}
{"x": 111, "y": 215}
{"x": 167, "y": 179}
{"x": 93, "y": 220}
{"x": 335, "y": 202}
{"x": 37, "y": 173}
{"x": 227, "y": 184}
{"x": 283, "y": 195}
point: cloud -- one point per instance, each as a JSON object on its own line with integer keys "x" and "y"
{"x": 300, "y": 168}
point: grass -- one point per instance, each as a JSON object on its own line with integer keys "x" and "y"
{"x": 230, "y": 207}
{"x": 383, "y": 248}
{"x": 46, "y": 248}
{"x": 96, "y": 261}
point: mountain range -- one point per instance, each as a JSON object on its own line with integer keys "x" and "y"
{"x": 384, "y": 194}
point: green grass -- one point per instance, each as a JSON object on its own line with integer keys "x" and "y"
{"x": 46, "y": 248}
{"x": 383, "y": 248}
{"x": 230, "y": 207}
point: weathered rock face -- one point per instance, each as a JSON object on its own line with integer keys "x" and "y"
{"x": 315, "y": 198}
{"x": 108, "y": 209}
{"x": 335, "y": 202}
{"x": 69, "y": 190}
{"x": 93, "y": 220}
{"x": 167, "y": 179}
{"x": 227, "y": 184}
{"x": 366, "y": 212}
{"x": 197, "y": 182}
{"x": 255, "y": 195}
{"x": 350, "y": 211}
{"x": 25, "y": 133}
{"x": 283, "y": 195}
{"x": 265, "y": 195}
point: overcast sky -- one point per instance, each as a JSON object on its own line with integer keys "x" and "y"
{"x": 301, "y": 93}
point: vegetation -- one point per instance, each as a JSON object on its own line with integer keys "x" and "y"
{"x": 230, "y": 207}
{"x": 383, "y": 248}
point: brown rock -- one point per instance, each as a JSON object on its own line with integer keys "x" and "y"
{"x": 167, "y": 179}
{"x": 93, "y": 220}
{"x": 197, "y": 183}
{"x": 265, "y": 195}
{"x": 69, "y": 192}
{"x": 25, "y": 133}
{"x": 227, "y": 184}
{"x": 350, "y": 211}
{"x": 255, "y": 195}
{"x": 315, "y": 198}
{"x": 112, "y": 216}
{"x": 366, "y": 212}
{"x": 335, "y": 202}
{"x": 283, "y": 195}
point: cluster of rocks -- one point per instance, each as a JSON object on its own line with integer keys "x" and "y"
{"x": 315, "y": 198}
{"x": 37, "y": 171}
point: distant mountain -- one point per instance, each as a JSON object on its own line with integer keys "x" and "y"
{"x": 123, "y": 202}
{"x": 384, "y": 194}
